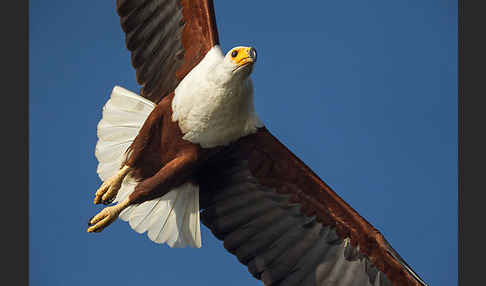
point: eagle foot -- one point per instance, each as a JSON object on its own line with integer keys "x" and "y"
{"x": 106, "y": 216}
{"x": 107, "y": 192}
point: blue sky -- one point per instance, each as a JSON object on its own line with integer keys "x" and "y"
{"x": 364, "y": 92}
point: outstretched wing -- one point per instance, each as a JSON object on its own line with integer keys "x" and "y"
{"x": 287, "y": 225}
{"x": 166, "y": 38}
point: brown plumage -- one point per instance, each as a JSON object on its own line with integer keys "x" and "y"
{"x": 277, "y": 169}
{"x": 160, "y": 158}
{"x": 166, "y": 40}
{"x": 276, "y": 215}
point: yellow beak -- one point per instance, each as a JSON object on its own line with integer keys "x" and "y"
{"x": 245, "y": 55}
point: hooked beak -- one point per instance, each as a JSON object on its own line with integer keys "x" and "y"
{"x": 249, "y": 57}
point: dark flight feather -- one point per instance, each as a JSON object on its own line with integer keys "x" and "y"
{"x": 278, "y": 218}
{"x": 166, "y": 38}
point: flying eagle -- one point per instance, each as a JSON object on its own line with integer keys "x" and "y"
{"x": 190, "y": 147}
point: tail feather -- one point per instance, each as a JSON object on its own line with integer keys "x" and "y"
{"x": 159, "y": 218}
{"x": 172, "y": 218}
{"x": 176, "y": 236}
{"x": 110, "y": 151}
{"x": 140, "y": 217}
{"x": 112, "y": 113}
{"x": 114, "y": 133}
{"x": 108, "y": 169}
{"x": 191, "y": 226}
{"x": 164, "y": 224}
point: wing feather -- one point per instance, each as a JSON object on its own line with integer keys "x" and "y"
{"x": 287, "y": 225}
{"x": 166, "y": 38}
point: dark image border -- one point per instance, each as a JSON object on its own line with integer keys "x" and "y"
{"x": 15, "y": 145}
{"x": 471, "y": 141}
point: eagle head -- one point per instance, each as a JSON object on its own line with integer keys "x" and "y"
{"x": 240, "y": 60}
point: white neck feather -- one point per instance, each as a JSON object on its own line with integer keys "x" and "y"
{"x": 211, "y": 108}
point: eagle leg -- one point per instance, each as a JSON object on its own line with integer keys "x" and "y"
{"x": 106, "y": 216}
{"x": 173, "y": 174}
{"x": 108, "y": 190}
{"x": 155, "y": 186}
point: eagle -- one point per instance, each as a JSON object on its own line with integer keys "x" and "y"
{"x": 190, "y": 148}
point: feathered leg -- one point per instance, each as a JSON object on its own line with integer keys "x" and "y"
{"x": 171, "y": 175}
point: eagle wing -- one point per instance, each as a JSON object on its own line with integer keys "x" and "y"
{"x": 166, "y": 38}
{"x": 287, "y": 225}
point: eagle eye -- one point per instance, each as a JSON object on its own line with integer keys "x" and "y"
{"x": 234, "y": 54}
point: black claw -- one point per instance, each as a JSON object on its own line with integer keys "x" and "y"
{"x": 109, "y": 201}
{"x": 89, "y": 221}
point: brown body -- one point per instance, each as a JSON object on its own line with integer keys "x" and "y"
{"x": 160, "y": 159}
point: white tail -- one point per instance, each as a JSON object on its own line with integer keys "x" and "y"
{"x": 172, "y": 218}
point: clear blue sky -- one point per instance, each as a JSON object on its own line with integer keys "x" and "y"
{"x": 364, "y": 92}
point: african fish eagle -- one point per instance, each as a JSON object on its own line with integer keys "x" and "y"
{"x": 190, "y": 147}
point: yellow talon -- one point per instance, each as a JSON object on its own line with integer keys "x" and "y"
{"x": 110, "y": 187}
{"x": 106, "y": 216}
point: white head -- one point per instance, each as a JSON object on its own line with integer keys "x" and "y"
{"x": 237, "y": 65}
